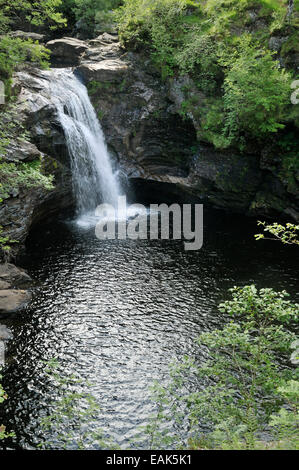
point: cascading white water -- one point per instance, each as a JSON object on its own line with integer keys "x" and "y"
{"x": 94, "y": 181}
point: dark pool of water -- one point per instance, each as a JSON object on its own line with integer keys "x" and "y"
{"x": 118, "y": 312}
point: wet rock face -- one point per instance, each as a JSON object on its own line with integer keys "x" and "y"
{"x": 5, "y": 333}
{"x": 21, "y": 211}
{"x": 226, "y": 180}
{"x": 145, "y": 134}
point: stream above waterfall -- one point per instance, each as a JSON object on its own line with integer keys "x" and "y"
{"x": 118, "y": 312}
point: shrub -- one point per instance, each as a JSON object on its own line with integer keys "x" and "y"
{"x": 256, "y": 94}
{"x": 288, "y": 234}
{"x": 198, "y": 56}
{"x": 71, "y": 422}
{"x": 243, "y": 393}
{"x": 143, "y": 22}
{"x": 210, "y": 42}
{"x": 91, "y": 13}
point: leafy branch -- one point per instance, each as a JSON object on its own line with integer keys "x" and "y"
{"x": 286, "y": 234}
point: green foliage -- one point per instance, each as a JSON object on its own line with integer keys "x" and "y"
{"x": 16, "y": 51}
{"x": 72, "y": 414}
{"x": 4, "y": 21}
{"x": 288, "y": 147}
{"x": 199, "y": 56}
{"x": 100, "y": 115}
{"x": 165, "y": 34}
{"x": 67, "y": 11}
{"x": 10, "y": 127}
{"x": 209, "y": 41}
{"x": 243, "y": 391}
{"x": 286, "y": 234}
{"x": 146, "y": 21}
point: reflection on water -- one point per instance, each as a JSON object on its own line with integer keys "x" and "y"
{"x": 118, "y": 312}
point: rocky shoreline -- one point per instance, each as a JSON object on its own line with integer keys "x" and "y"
{"x": 14, "y": 294}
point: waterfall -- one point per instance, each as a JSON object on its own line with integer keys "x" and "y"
{"x": 94, "y": 181}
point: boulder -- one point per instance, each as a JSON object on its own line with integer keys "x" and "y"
{"x": 11, "y": 301}
{"x": 66, "y": 51}
{"x": 38, "y": 113}
{"x": 12, "y": 275}
{"x": 111, "y": 70}
{"x": 27, "y": 35}
{"x": 109, "y": 37}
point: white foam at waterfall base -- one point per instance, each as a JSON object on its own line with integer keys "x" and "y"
{"x": 89, "y": 220}
{"x": 94, "y": 180}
